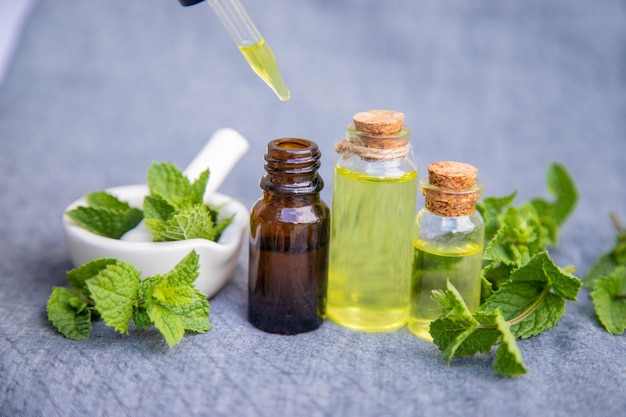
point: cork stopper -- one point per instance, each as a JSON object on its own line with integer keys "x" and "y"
{"x": 379, "y": 122}
{"x": 451, "y": 189}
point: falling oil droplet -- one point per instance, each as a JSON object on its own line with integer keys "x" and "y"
{"x": 262, "y": 61}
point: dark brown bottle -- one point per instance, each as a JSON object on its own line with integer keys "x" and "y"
{"x": 289, "y": 229}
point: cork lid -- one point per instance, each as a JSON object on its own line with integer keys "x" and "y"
{"x": 452, "y": 175}
{"x": 379, "y": 122}
{"x": 451, "y": 189}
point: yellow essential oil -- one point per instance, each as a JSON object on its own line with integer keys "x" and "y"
{"x": 371, "y": 254}
{"x": 262, "y": 61}
{"x": 432, "y": 268}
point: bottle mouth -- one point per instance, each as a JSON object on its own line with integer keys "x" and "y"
{"x": 292, "y": 156}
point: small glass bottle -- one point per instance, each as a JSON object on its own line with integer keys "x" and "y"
{"x": 448, "y": 242}
{"x": 288, "y": 257}
{"x": 374, "y": 198}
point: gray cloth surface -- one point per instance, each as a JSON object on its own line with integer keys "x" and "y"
{"x": 99, "y": 90}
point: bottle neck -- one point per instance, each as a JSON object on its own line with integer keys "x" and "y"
{"x": 291, "y": 167}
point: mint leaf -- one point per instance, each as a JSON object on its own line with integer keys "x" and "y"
{"x": 607, "y": 262}
{"x": 527, "y": 301}
{"x": 156, "y": 207}
{"x": 193, "y": 222}
{"x": 174, "y": 305}
{"x": 609, "y": 299}
{"x": 69, "y": 313}
{"x": 196, "y": 194}
{"x": 553, "y": 214}
{"x": 140, "y": 313}
{"x": 490, "y": 208}
{"x": 105, "y": 215}
{"x": 77, "y": 277}
{"x": 169, "y": 323}
{"x": 103, "y": 199}
{"x": 509, "y": 361}
{"x": 105, "y": 222}
{"x": 518, "y": 238}
{"x": 114, "y": 290}
{"x": 168, "y": 182}
{"x": 602, "y": 267}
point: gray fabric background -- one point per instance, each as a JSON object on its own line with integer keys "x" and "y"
{"x": 99, "y": 90}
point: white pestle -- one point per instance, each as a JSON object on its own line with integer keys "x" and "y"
{"x": 220, "y": 155}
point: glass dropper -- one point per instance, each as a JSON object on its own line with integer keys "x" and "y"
{"x": 249, "y": 41}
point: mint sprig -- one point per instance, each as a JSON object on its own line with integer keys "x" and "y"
{"x": 114, "y": 291}
{"x": 607, "y": 281}
{"x": 106, "y": 215}
{"x": 524, "y": 292}
{"x": 174, "y": 209}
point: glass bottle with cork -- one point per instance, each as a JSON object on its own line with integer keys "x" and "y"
{"x": 289, "y": 228}
{"x": 374, "y": 198}
{"x": 448, "y": 242}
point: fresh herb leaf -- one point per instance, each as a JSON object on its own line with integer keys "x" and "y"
{"x": 607, "y": 262}
{"x": 69, "y": 313}
{"x": 77, "y": 277}
{"x": 114, "y": 291}
{"x": 193, "y": 222}
{"x": 112, "y": 288}
{"x": 609, "y": 299}
{"x": 168, "y": 182}
{"x": 106, "y": 215}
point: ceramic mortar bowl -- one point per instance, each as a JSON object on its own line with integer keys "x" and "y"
{"x": 218, "y": 260}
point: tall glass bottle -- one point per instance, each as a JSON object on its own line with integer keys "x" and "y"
{"x": 288, "y": 258}
{"x": 448, "y": 242}
{"x": 374, "y": 193}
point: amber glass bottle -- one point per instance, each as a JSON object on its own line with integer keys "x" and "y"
{"x": 289, "y": 230}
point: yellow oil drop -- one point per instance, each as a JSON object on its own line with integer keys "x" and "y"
{"x": 262, "y": 61}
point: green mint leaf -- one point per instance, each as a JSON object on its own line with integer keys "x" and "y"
{"x": 509, "y": 361}
{"x": 168, "y": 182}
{"x": 144, "y": 291}
{"x": 609, "y": 299}
{"x": 494, "y": 275}
{"x": 196, "y": 195}
{"x": 69, "y": 313}
{"x": 77, "y": 277}
{"x": 553, "y": 214}
{"x": 602, "y": 267}
{"x": 173, "y": 304}
{"x": 455, "y": 324}
{"x": 194, "y": 315}
{"x": 606, "y": 263}
{"x": 518, "y": 238}
{"x": 490, "y": 208}
{"x": 190, "y": 223}
{"x": 219, "y": 228}
{"x": 156, "y": 207}
{"x": 114, "y": 290}
{"x": 561, "y": 185}
{"x": 527, "y": 301}
{"x": 103, "y": 199}
{"x": 168, "y": 323}
{"x": 106, "y": 222}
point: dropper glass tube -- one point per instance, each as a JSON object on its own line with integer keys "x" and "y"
{"x": 251, "y": 44}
